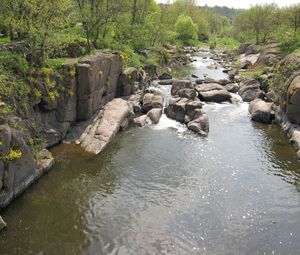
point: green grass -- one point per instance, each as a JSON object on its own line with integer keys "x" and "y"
{"x": 54, "y": 63}
{"x": 255, "y": 74}
{"x": 4, "y": 40}
{"x": 224, "y": 43}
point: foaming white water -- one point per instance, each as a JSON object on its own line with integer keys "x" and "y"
{"x": 166, "y": 123}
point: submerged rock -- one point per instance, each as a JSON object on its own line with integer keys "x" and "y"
{"x": 261, "y": 111}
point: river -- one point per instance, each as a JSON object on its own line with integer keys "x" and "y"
{"x": 164, "y": 190}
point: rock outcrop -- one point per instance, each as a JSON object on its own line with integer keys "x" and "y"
{"x": 293, "y": 101}
{"x": 19, "y": 166}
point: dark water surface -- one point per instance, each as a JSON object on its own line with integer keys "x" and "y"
{"x": 165, "y": 190}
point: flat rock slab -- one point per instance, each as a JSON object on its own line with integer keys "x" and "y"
{"x": 95, "y": 135}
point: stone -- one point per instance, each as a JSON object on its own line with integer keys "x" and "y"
{"x": 140, "y": 121}
{"x": 151, "y": 100}
{"x": 208, "y": 87}
{"x": 217, "y": 96}
{"x": 295, "y": 139}
{"x": 293, "y": 101}
{"x": 165, "y": 76}
{"x": 200, "y": 125}
{"x": 224, "y": 82}
{"x": 187, "y": 93}
{"x": 2, "y": 224}
{"x": 105, "y": 126}
{"x": 232, "y": 88}
{"x": 181, "y": 84}
{"x": 154, "y": 115}
{"x": 261, "y": 111}
{"x": 250, "y": 90}
{"x": 165, "y": 82}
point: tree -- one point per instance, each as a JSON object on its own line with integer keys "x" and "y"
{"x": 186, "y": 29}
{"x": 34, "y": 21}
{"x": 259, "y": 22}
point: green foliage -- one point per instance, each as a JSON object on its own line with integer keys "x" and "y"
{"x": 186, "y": 29}
{"x": 4, "y": 40}
{"x": 281, "y": 75}
{"x": 54, "y": 63}
{"x": 290, "y": 43}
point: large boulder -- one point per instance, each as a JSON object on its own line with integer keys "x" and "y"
{"x": 293, "y": 101}
{"x": 232, "y": 88}
{"x": 261, "y": 111}
{"x": 217, "y": 96}
{"x": 141, "y": 120}
{"x": 187, "y": 93}
{"x": 154, "y": 115}
{"x": 94, "y": 135}
{"x": 250, "y": 90}
{"x": 208, "y": 87}
{"x": 200, "y": 124}
{"x": 270, "y": 55}
{"x": 165, "y": 76}
{"x": 152, "y": 99}
{"x": 181, "y": 84}
{"x": 189, "y": 112}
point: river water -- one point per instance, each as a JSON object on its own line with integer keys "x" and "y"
{"x": 165, "y": 190}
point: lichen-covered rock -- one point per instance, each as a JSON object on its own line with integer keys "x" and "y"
{"x": 261, "y": 111}
{"x": 293, "y": 101}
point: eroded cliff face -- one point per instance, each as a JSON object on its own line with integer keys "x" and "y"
{"x": 74, "y": 95}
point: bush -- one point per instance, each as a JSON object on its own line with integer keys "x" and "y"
{"x": 186, "y": 29}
